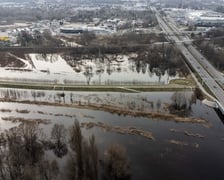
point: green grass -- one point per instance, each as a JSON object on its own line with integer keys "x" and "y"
{"x": 141, "y": 88}
{"x": 96, "y": 89}
{"x": 65, "y": 88}
{"x": 161, "y": 88}
{"x": 26, "y": 86}
{"x": 184, "y": 82}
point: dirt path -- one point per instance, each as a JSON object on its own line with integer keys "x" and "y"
{"x": 131, "y": 90}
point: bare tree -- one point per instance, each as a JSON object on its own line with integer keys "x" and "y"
{"x": 58, "y": 136}
{"x": 158, "y": 104}
{"x": 179, "y": 100}
{"x": 94, "y": 156}
{"x": 181, "y": 104}
{"x": 21, "y": 155}
{"x": 48, "y": 170}
{"x": 76, "y": 146}
{"x": 116, "y": 164}
{"x": 14, "y": 160}
{"x": 22, "y": 150}
{"x": 83, "y": 160}
{"x": 29, "y": 173}
{"x": 198, "y": 93}
{"x": 31, "y": 135}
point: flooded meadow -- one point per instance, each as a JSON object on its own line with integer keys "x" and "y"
{"x": 120, "y": 69}
{"x": 167, "y": 135}
{"x": 159, "y": 142}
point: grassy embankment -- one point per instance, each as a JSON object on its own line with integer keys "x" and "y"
{"x": 175, "y": 85}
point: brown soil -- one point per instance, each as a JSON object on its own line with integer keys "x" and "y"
{"x": 20, "y": 54}
{"x": 9, "y": 61}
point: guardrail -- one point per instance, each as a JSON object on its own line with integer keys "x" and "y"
{"x": 220, "y": 106}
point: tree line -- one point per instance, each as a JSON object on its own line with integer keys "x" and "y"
{"x": 37, "y": 39}
{"x": 213, "y": 53}
{"x": 211, "y": 45}
{"x": 160, "y": 59}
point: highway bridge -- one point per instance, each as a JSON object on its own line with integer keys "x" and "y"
{"x": 207, "y": 73}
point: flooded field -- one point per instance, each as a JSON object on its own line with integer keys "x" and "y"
{"x": 181, "y": 146}
{"x": 61, "y": 69}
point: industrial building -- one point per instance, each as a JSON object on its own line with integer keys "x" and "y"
{"x": 71, "y": 31}
{"x": 80, "y": 30}
{"x": 206, "y": 18}
{"x": 209, "y": 21}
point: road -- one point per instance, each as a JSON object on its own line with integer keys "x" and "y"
{"x": 210, "y": 76}
{"x": 200, "y": 58}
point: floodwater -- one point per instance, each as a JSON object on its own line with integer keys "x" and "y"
{"x": 52, "y": 68}
{"x": 162, "y": 158}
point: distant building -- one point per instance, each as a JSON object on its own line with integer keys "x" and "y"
{"x": 209, "y": 21}
{"x": 206, "y": 18}
{"x": 71, "y": 31}
{"x": 202, "y": 18}
{"x": 80, "y": 30}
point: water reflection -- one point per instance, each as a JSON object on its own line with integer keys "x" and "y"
{"x": 172, "y": 154}
{"x": 107, "y": 70}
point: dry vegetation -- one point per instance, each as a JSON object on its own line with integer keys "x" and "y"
{"x": 24, "y": 120}
{"x": 8, "y": 60}
{"x": 161, "y": 59}
{"x": 182, "y": 143}
{"x": 153, "y": 115}
{"x": 186, "y": 82}
{"x": 197, "y": 135}
{"x": 23, "y": 111}
{"x": 212, "y": 46}
{"x": 127, "y": 39}
{"x": 118, "y": 129}
{"x": 44, "y": 39}
{"x": 57, "y": 114}
{"x": 126, "y": 112}
{"x": 5, "y": 110}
